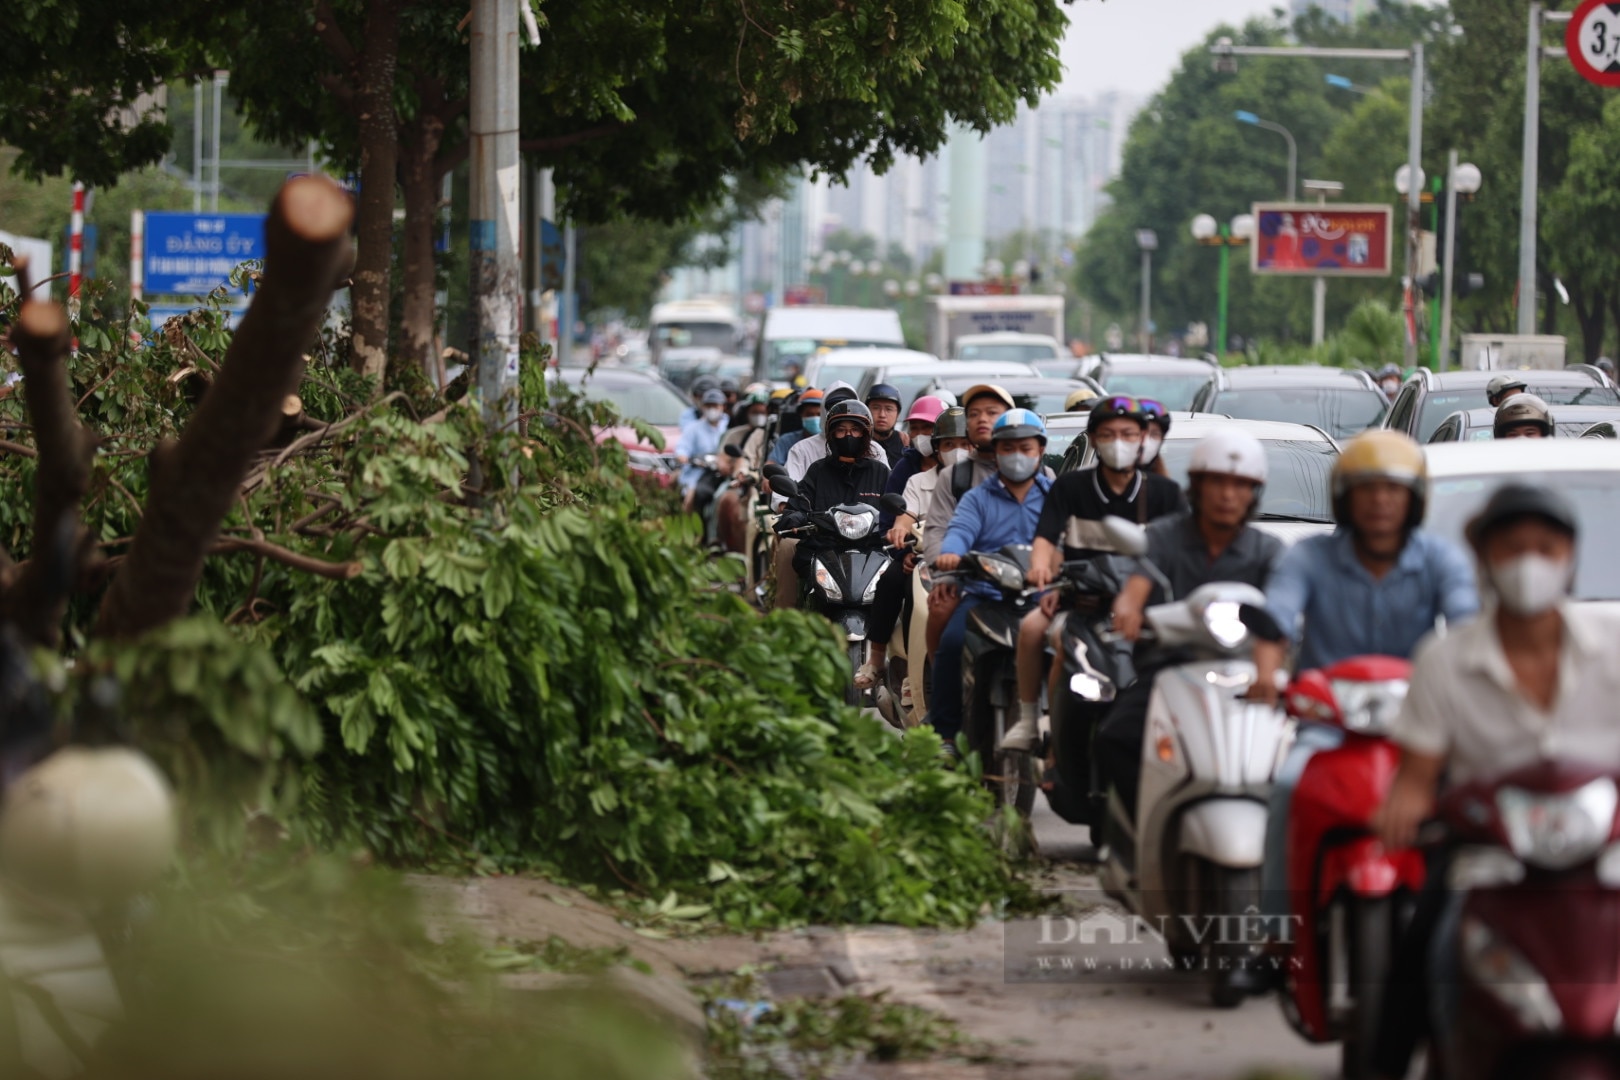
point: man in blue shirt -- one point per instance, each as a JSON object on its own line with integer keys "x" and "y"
{"x": 1003, "y": 510}
{"x": 698, "y": 441}
{"x": 809, "y": 413}
{"x": 693, "y": 413}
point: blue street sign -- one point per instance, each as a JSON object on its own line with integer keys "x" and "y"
{"x": 194, "y": 253}
{"x": 552, "y": 256}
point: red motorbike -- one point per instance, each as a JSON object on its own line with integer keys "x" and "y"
{"x": 1536, "y": 991}
{"x": 1346, "y": 893}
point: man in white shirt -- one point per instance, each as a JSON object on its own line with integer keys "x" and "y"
{"x": 1532, "y": 678}
{"x": 806, "y": 452}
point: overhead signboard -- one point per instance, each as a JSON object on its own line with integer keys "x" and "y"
{"x": 1312, "y": 240}
{"x": 803, "y": 295}
{"x": 984, "y": 288}
{"x": 1592, "y": 40}
{"x": 190, "y": 254}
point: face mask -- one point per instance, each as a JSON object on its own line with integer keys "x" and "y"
{"x": 1391, "y": 386}
{"x": 812, "y": 424}
{"x": 850, "y": 446}
{"x": 1150, "y": 448}
{"x": 1017, "y": 467}
{"x": 1118, "y": 455}
{"x": 924, "y": 445}
{"x": 713, "y": 415}
{"x": 1531, "y": 584}
{"x": 758, "y": 421}
{"x": 952, "y": 458}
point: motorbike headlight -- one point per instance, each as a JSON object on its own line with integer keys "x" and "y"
{"x": 1006, "y": 574}
{"x": 854, "y": 526}
{"x": 1369, "y": 707}
{"x": 1483, "y": 867}
{"x": 1222, "y": 622}
{"x": 1558, "y": 831}
{"x": 826, "y": 582}
{"x": 871, "y": 589}
{"x": 1504, "y": 971}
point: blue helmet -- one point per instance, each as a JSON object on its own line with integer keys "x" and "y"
{"x": 1019, "y": 424}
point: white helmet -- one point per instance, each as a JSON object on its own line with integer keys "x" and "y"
{"x": 1233, "y": 453}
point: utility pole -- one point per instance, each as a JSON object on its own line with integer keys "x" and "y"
{"x": 497, "y": 276}
{"x": 1414, "y": 199}
{"x": 1148, "y": 241}
{"x": 1448, "y": 262}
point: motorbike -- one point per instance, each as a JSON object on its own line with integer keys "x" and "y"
{"x": 1094, "y": 666}
{"x": 1187, "y": 857}
{"x": 901, "y": 698}
{"x": 844, "y": 575}
{"x": 1347, "y": 895}
{"x": 1534, "y": 930}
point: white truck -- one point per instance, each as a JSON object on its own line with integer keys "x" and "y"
{"x": 954, "y": 317}
{"x": 1512, "y": 352}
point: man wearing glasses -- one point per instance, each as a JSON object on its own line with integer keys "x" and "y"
{"x": 1072, "y": 518}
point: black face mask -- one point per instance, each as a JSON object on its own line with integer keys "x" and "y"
{"x": 848, "y": 446}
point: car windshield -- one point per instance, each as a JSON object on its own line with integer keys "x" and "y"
{"x": 796, "y": 351}
{"x": 1058, "y": 442}
{"x": 1339, "y": 412}
{"x": 1173, "y": 391}
{"x": 1020, "y": 354}
{"x": 1064, "y": 367}
{"x": 651, "y": 402}
{"x": 1441, "y": 404}
{"x": 911, "y": 386}
{"x": 1045, "y": 402}
{"x": 827, "y": 374}
{"x": 1298, "y": 482}
{"x": 681, "y": 335}
{"x": 1594, "y": 494}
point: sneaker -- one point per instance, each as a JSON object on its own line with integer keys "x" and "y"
{"x": 949, "y": 755}
{"x": 866, "y": 677}
{"x": 1021, "y": 736}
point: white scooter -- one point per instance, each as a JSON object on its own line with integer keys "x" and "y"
{"x": 1186, "y": 859}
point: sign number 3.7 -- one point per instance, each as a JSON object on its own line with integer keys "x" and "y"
{"x": 1592, "y": 40}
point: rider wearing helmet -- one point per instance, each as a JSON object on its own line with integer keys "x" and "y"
{"x": 1389, "y": 380}
{"x": 728, "y": 387}
{"x": 1523, "y": 416}
{"x": 1158, "y": 418}
{"x": 919, "y": 456}
{"x": 1003, "y": 510}
{"x": 698, "y": 441}
{"x": 804, "y": 454}
{"x": 846, "y": 474}
{"x": 807, "y": 413}
{"x": 1212, "y": 542}
{"x": 884, "y": 401}
{"x": 700, "y": 386}
{"x": 1076, "y": 401}
{"x": 1502, "y": 387}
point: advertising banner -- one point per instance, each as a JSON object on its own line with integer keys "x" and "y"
{"x": 1322, "y": 241}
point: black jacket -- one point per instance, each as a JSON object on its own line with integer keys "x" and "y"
{"x": 893, "y": 446}
{"x": 830, "y": 482}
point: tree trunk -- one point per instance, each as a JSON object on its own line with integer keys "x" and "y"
{"x": 1549, "y": 311}
{"x": 420, "y": 177}
{"x": 1592, "y": 318}
{"x": 379, "y": 154}
{"x": 196, "y": 481}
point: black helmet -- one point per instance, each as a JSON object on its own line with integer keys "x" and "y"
{"x": 952, "y": 424}
{"x": 1154, "y": 413}
{"x": 703, "y": 384}
{"x": 1114, "y": 407}
{"x": 841, "y": 393}
{"x": 728, "y": 386}
{"x": 847, "y": 410}
{"x": 883, "y": 392}
{"x": 1514, "y": 501}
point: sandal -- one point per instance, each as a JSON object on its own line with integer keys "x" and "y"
{"x": 866, "y": 677}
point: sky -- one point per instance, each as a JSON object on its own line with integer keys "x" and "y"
{"x": 1134, "y": 45}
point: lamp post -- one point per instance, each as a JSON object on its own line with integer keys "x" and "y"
{"x": 1243, "y": 116}
{"x": 1463, "y": 180}
{"x": 1206, "y": 231}
{"x": 1405, "y": 187}
{"x": 1321, "y": 189}
{"x": 1148, "y": 241}
{"x": 1340, "y": 82}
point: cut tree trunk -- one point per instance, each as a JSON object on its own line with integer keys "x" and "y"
{"x": 379, "y": 153}
{"x": 420, "y": 177}
{"x": 195, "y": 481}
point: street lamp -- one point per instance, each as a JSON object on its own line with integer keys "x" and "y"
{"x": 1148, "y": 241}
{"x": 874, "y": 267}
{"x": 994, "y": 268}
{"x": 1207, "y": 231}
{"x": 1243, "y": 116}
{"x": 1465, "y": 180}
{"x": 913, "y": 287}
{"x": 1403, "y": 179}
{"x": 934, "y": 282}
{"x": 891, "y": 289}
{"x": 1340, "y": 82}
{"x": 1321, "y": 189}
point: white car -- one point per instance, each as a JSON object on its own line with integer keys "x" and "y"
{"x": 1463, "y": 475}
{"x": 1009, "y": 345}
{"x": 852, "y": 365}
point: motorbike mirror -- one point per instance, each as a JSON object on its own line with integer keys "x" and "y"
{"x": 1127, "y": 536}
{"x": 1260, "y": 623}
{"x": 893, "y": 503}
{"x": 772, "y": 470}
{"x": 733, "y": 451}
{"x": 785, "y": 486}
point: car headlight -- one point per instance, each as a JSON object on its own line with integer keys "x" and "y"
{"x": 854, "y": 526}
{"x": 1501, "y": 969}
{"x": 1006, "y": 574}
{"x": 1369, "y": 707}
{"x": 1222, "y": 621}
{"x": 1558, "y": 831}
{"x": 826, "y": 582}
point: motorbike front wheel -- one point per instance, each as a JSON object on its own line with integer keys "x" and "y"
{"x": 1370, "y": 922}
{"x": 857, "y": 656}
{"x": 1016, "y": 769}
{"x": 1232, "y": 891}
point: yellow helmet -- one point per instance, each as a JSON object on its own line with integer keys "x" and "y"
{"x": 1381, "y": 455}
{"x": 781, "y": 392}
{"x": 1075, "y": 398}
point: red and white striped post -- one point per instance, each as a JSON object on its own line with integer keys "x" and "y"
{"x": 137, "y": 260}
{"x": 76, "y": 250}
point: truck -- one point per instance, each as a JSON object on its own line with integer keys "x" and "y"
{"x": 1511, "y": 352}
{"x": 954, "y": 317}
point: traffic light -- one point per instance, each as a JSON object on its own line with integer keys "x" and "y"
{"x": 1429, "y": 283}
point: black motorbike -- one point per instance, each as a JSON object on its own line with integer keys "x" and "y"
{"x": 990, "y": 671}
{"x": 849, "y": 559}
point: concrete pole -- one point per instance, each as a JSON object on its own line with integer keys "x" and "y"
{"x": 1222, "y": 294}
{"x": 568, "y": 316}
{"x": 497, "y": 277}
{"x": 1527, "y": 189}
{"x": 219, "y": 96}
{"x": 196, "y": 146}
{"x": 1448, "y": 258}
{"x": 1414, "y": 198}
{"x": 1147, "y": 301}
{"x": 1319, "y": 297}
{"x": 964, "y": 246}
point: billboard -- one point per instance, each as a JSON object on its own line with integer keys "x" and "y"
{"x": 1312, "y": 240}
{"x": 195, "y": 253}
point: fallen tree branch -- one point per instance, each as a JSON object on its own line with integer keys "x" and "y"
{"x": 309, "y": 564}
{"x": 18, "y": 448}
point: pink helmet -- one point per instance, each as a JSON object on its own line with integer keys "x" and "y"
{"x": 926, "y": 409}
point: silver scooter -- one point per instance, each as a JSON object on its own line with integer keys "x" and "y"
{"x": 1186, "y": 859}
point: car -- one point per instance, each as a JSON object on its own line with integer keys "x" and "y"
{"x": 1297, "y": 501}
{"x": 914, "y": 380}
{"x": 1061, "y": 431}
{"x": 635, "y": 395}
{"x": 1171, "y": 381}
{"x": 1605, "y": 430}
{"x": 1067, "y": 367}
{"x": 1573, "y": 421}
{"x": 791, "y": 335}
{"x": 1587, "y": 471}
{"x": 1428, "y": 397}
{"x": 1340, "y": 401}
{"x": 681, "y": 365}
{"x": 1045, "y": 396}
{"x": 852, "y": 365}
{"x": 1009, "y": 345}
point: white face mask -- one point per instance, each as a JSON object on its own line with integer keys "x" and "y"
{"x": 1150, "y": 448}
{"x": 1531, "y": 584}
{"x": 924, "y": 444}
{"x": 713, "y": 415}
{"x": 1390, "y": 386}
{"x": 951, "y": 458}
{"x": 1118, "y": 455}
{"x": 759, "y": 420}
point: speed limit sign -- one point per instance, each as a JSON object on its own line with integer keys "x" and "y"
{"x": 1592, "y": 40}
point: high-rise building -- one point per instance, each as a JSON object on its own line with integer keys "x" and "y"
{"x": 1343, "y": 10}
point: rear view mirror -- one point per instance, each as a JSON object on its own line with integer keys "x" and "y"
{"x": 772, "y": 470}
{"x": 1260, "y": 623}
{"x": 733, "y": 451}
{"x": 785, "y": 486}
{"x": 1127, "y": 536}
{"x": 893, "y": 503}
